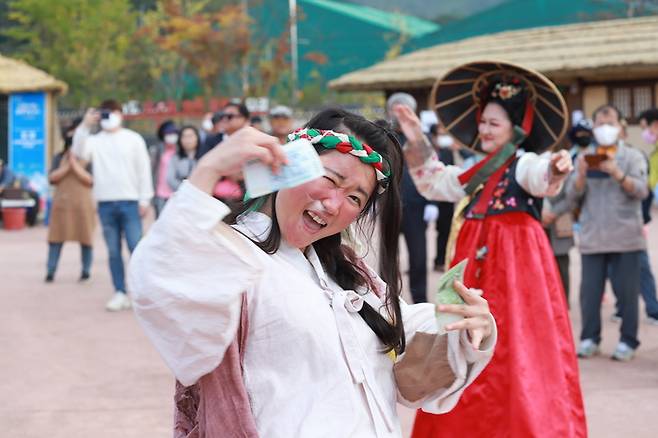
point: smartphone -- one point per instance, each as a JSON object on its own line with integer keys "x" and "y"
{"x": 594, "y": 160}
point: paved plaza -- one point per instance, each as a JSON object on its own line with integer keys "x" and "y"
{"x": 71, "y": 369}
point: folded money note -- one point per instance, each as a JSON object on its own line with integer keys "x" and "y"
{"x": 303, "y": 166}
{"x": 446, "y": 294}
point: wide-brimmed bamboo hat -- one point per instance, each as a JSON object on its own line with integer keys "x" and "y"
{"x": 459, "y": 98}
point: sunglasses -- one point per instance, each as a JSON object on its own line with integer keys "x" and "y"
{"x": 229, "y": 117}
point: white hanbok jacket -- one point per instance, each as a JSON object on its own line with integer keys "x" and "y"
{"x": 312, "y": 367}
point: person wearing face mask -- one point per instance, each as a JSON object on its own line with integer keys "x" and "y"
{"x": 611, "y": 240}
{"x": 72, "y": 210}
{"x": 161, "y": 154}
{"x": 444, "y": 148}
{"x": 580, "y": 136}
{"x": 123, "y": 187}
{"x": 417, "y": 212}
{"x": 647, "y": 279}
{"x": 558, "y": 211}
{"x": 450, "y": 153}
{"x": 501, "y": 109}
{"x": 649, "y": 124}
{"x": 207, "y": 125}
{"x": 276, "y": 327}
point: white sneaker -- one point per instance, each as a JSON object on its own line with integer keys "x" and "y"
{"x": 587, "y": 348}
{"x": 119, "y": 301}
{"x": 623, "y": 352}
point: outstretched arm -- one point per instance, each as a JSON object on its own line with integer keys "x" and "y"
{"x": 433, "y": 179}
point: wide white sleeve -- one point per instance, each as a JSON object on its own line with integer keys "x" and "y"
{"x": 533, "y": 174}
{"x": 438, "y": 182}
{"x": 81, "y": 147}
{"x": 187, "y": 277}
{"x": 143, "y": 168}
{"x": 427, "y": 351}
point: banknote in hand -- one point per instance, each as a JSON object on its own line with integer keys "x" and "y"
{"x": 303, "y": 166}
{"x": 446, "y": 294}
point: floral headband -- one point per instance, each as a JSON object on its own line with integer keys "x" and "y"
{"x": 505, "y": 91}
{"x": 347, "y": 144}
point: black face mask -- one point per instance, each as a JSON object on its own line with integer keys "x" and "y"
{"x": 584, "y": 141}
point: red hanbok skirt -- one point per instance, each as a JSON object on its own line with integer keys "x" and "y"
{"x": 531, "y": 387}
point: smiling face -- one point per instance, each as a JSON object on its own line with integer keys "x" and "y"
{"x": 327, "y": 205}
{"x": 495, "y": 127}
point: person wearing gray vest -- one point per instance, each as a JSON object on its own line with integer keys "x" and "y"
{"x": 609, "y": 183}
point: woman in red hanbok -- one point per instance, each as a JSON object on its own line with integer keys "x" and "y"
{"x": 531, "y": 387}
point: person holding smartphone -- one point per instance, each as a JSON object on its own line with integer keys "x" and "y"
{"x": 610, "y": 182}
{"x": 122, "y": 187}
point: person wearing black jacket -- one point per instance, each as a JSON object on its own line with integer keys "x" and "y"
{"x": 416, "y": 213}
{"x": 232, "y": 117}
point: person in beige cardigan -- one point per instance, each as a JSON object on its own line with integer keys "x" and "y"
{"x": 72, "y": 214}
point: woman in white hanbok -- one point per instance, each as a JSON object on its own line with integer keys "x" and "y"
{"x": 272, "y": 325}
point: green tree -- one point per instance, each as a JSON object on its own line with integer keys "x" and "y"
{"x": 212, "y": 40}
{"x": 269, "y": 66}
{"x": 83, "y": 42}
{"x": 164, "y": 69}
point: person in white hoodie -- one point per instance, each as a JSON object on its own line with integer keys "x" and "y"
{"x": 123, "y": 186}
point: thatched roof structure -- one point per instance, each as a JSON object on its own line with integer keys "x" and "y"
{"x": 593, "y": 51}
{"x": 17, "y": 76}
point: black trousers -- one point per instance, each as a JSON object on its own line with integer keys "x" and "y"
{"x": 624, "y": 269}
{"x": 33, "y": 212}
{"x": 443, "y": 224}
{"x": 563, "y": 266}
{"x": 413, "y": 229}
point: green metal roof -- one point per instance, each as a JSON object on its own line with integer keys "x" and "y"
{"x": 396, "y": 22}
{"x": 523, "y": 14}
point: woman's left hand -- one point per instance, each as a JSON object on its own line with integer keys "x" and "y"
{"x": 475, "y": 310}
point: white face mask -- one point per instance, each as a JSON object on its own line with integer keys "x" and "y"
{"x": 207, "y": 125}
{"x": 606, "y": 135}
{"x": 171, "y": 138}
{"x": 445, "y": 141}
{"x": 112, "y": 122}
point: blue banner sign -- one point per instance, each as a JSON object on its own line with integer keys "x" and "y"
{"x": 27, "y": 138}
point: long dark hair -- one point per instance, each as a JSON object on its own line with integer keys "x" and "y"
{"x": 180, "y": 150}
{"x": 339, "y": 261}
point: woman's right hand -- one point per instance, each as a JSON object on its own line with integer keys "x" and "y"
{"x": 229, "y": 157}
{"x": 418, "y": 148}
{"x": 409, "y": 122}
